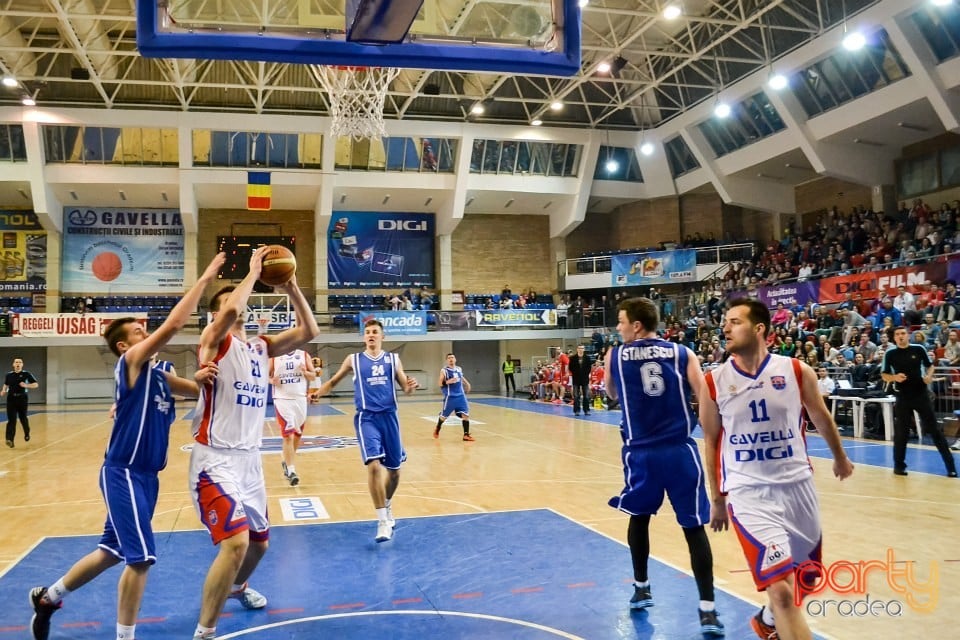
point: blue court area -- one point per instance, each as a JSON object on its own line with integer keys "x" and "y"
{"x": 871, "y": 452}
{"x": 525, "y": 575}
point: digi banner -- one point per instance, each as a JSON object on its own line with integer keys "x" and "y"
{"x": 517, "y": 318}
{"x": 375, "y": 250}
{"x": 397, "y": 323}
{"x": 791, "y": 295}
{"x": 658, "y": 267}
{"x": 23, "y": 254}
{"x": 873, "y": 284}
{"x": 122, "y": 251}
{"x": 45, "y": 325}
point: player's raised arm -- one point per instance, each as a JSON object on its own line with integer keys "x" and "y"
{"x": 231, "y": 309}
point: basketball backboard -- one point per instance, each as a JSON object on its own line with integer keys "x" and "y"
{"x": 529, "y": 36}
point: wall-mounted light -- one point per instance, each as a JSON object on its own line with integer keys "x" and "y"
{"x": 647, "y": 148}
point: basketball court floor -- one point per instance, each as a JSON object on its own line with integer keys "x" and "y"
{"x": 509, "y": 536}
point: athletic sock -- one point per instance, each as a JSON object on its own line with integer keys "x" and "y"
{"x": 291, "y": 469}
{"x": 382, "y": 514}
{"x": 205, "y": 632}
{"x": 767, "y": 616}
{"x": 57, "y": 592}
{"x": 125, "y": 632}
{"x": 707, "y": 605}
{"x": 641, "y": 585}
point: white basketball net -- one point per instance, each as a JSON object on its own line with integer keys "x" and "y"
{"x": 356, "y": 96}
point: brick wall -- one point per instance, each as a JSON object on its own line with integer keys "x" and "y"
{"x": 823, "y": 193}
{"x": 492, "y": 250}
{"x": 222, "y": 222}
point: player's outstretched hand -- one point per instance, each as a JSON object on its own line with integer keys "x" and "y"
{"x": 287, "y": 287}
{"x": 719, "y": 518}
{"x": 206, "y": 374}
{"x": 256, "y": 261}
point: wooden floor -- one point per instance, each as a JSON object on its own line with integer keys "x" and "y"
{"x": 520, "y": 460}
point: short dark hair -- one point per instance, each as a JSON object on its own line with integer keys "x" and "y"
{"x": 757, "y": 312}
{"x": 373, "y": 321}
{"x": 116, "y": 332}
{"x": 215, "y": 301}
{"x": 642, "y": 310}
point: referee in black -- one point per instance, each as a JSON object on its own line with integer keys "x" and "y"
{"x": 909, "y": 369}
{"x": 15, "y": 386}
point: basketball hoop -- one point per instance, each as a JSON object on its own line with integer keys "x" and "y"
{"x": 263, "y": 322}
{"x": 356, "y": 96}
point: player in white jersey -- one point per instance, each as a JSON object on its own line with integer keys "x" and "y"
{"x": 754, "y": 414}
{"x": 226, "y": 476}
{"x": 290, "y": 374}
{"x": 375, "y": 376}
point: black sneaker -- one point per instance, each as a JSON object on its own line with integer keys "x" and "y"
{"x": 952, "y": 474}
{"x": 641, "y": 598}
{"x": 26, "y": 437}
{"x": 710, "y": 624}
{"x": 293, "y": 478}
{"x": 899, "y": 472}
{"x": 10, "y": 443}
{"x": 42, "y": 610}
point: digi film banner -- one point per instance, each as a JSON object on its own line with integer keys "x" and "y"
{"x": 657, "y": 267}
{"x": 122, "y": 251}
{"x": 377, "y": 250}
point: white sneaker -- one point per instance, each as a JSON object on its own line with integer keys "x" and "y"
{"x": 390, "y": 518}
{"x": 249, "y": 598}
{"x": 956, "y": 445}
{"x": 384, "y": 531}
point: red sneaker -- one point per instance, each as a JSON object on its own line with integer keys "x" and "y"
{"x": 467, "y": 437}
{"x": 762, "y": 629}
{"x": 436, "y": 433}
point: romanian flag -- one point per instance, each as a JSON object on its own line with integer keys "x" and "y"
{"x": 258, "y": 190}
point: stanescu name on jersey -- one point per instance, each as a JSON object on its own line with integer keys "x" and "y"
{"x": 646, "y": 353}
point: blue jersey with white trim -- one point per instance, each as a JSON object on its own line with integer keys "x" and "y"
{"x": 454, "y": 379}
{"x": 374, "y": 381}
{"x": 141, "y": 429}
{"x": 650, "y": 377}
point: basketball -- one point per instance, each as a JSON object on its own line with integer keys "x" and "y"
{"x": 106, "y": 266}
{"x": 279, "y": 265}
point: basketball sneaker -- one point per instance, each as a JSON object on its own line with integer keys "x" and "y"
{"x": 390, "y": 519}
{"x": 197, "y": 636}
{"x": 467, "y": 437}
{"x": 710, "y": 624}
{"x": 762, "y": 629}
{"x": 293, "y": 478}
{"x": 642, "y": 598}
{"x": 42, "y": 611}
{"x": 249, "y": 598}
{"x": 10, "y": 443}
{"x": 384, "y": 531}
{"x": 436, "y": 433}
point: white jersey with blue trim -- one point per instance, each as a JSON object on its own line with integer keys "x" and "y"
{"x": 374, "y": 381}
{"x": 651, "y": 380}
{"x": 454, "y": 379}
{"x": 289, "y": 368}
{"x": 762, "y": 437}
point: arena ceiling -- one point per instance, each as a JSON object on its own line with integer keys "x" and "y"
{"x": 82, "y": 53}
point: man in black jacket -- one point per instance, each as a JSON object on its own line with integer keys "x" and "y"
{"x": 580, "y": 381}
{"x": 15, "y": 387}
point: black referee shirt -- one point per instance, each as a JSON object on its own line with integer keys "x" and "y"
{"x": 912, "y": 361}
{"x": 13, "y": 381}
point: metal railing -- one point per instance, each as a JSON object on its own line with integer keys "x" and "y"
{"x": 721, "y": 254}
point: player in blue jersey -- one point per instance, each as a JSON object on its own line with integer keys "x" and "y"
{"x": 455, "y": 389}
{"x": 136, "y": 453}
{"x": 655, "y": 381}
{"x": 378, "y": 428}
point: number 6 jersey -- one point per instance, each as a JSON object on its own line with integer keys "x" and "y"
{"x": 762, "y": 439}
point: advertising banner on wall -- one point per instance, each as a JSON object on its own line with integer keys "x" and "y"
{"x": 44, "y": 325}
{"x": 872, "y": 284}
{"x": 656, "y": 267}
{"x": 397, "y": 323}
{"x": 23, "y": 253}
{"x": 792, "y": 294}
{"x": 517, "y": 318}
{"x": 375, "y": 250}
{"x": 122, "y": 251}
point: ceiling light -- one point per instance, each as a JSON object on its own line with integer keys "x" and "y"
{"x": 10, "y": 81}
{"x": 612, "y": 165}
{"x": 556, "y": 105}
{"x": 477, "y": 109}
{"x": 672, "y": 12}
{"x": 28, "y": 102}
{"x": 536, "y": 122}
{"x": 854, "y": 41}
{"x": 583, "y": 3}
{"x": 647, "y": 148}
{"x": 722, "y": 110}
{"x": 777, "y": 82}
{"x": 603, "y": 67}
